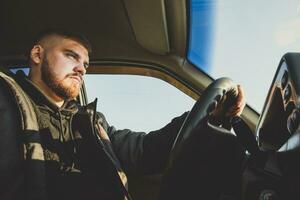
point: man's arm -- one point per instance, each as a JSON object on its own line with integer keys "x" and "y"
{"x": 140, "y": 152}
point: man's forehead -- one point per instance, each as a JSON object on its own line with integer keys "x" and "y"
{"x": 73, "y": 45}
{"x": 56, "y": 41}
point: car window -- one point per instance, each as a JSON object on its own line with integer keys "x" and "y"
{"x": 243, "y": 40}
{"x": 136, "y": 102}
{"x": 25, "y": 69}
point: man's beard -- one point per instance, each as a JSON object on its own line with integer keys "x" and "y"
{"x": 60, "y": 88}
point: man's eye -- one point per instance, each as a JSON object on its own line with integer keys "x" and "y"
{"x": 71, "y": 56}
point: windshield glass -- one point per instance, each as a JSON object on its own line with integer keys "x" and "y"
{"x": 243, "y": 40}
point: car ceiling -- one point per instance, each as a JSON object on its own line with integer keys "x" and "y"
{"x": 131, "y": 30}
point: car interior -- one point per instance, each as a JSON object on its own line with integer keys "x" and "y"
{"x": 150, "y": 38}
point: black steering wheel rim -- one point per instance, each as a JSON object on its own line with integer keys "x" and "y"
{"x": 211, "y": 97}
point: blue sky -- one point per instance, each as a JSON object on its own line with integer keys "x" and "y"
{"x": 245, "y": 40}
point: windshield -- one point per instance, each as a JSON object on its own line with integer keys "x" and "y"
{"x": 243, "y": 40}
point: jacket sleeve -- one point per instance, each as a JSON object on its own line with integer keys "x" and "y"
{"x": 11, "y": 173}
{"x": 140, "y": 152}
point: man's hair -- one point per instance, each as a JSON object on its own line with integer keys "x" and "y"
{"x": 64, "y": 34}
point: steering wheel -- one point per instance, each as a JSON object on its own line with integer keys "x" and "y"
{"x": 211, "y": 97}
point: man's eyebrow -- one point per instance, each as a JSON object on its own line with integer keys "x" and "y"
{"x": 75, "y": 54}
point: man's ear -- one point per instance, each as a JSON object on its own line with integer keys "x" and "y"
{"x": 36, "y": 54}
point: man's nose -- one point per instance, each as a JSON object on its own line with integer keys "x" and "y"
{"x": 80, "y": 68}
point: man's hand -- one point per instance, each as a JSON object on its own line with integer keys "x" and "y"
{"x": 222, "y": 112}
{"x": 237, "y": 109}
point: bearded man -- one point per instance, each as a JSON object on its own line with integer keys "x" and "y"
{"x": 83, "y": 157}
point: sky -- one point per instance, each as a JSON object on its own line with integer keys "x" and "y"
{"x": 248, "y": 39}
{"x": 134, "y": 102}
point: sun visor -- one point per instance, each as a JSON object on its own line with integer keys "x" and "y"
{"x": 149, "y": 24}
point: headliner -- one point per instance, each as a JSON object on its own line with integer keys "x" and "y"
{"x": 134, "y": 30}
